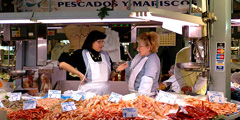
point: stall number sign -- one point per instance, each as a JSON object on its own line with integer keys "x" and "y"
{"x": 114, "y": 97}
{"x": 54, "y": 94}
{"x": 68, "y": 106}
{"x": 129, "y": 112}
{"x": 1, "y": 105}
{"x": 220, "y": 57}
{"x": 214, "y": 96}
{"x": 15, "y": 96}
{"x": 77, "y": 96}
{"x": 30, "y": 104}
{"x": 166, "y": 97}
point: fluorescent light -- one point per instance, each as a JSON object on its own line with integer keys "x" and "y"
{"x": 156, "y": 14}
{"x": 172, "y": 27}
{"x": 87, "y": 20}
{"x": 54, "y": 27}
{"x": 83, "y": 17}
{"x": 18, "y": 17}
{"x": 235, "y": 20}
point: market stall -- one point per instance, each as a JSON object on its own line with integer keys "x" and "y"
{"x": 62, "y": 103}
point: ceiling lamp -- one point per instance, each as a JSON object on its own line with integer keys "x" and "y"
{"x": 16, "y": 17}
{"x": 173, "y": 21}
{"x": 83, "y": 17}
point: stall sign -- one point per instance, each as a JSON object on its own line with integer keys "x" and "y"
{"x": 77, "y": 96}
{"x": 114, "y": 97}
{"x": 68, "y": 106}
{"x": 220, "y": 57}
{"x": 15, "y": 96}
{"x": 166, "y": 97}
{"x": 30, "y": 104}
{"x": 214, "y": 96}
{"x": 129, "y": 112}
{"x": 1, "y": 105}
{"x": 54, "y": 94}
{"x": 94, "y": 5}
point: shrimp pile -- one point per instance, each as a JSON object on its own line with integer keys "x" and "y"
{"x": 29, "y": 114}
{"x": 99, "y": 107}
{"x": 219, "y": 108}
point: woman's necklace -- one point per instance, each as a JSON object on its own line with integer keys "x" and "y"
{"x": 95, "y": 58}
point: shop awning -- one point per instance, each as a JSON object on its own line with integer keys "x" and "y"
{"x": 83, "y": 17}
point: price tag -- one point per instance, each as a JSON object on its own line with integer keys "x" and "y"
{"x": 214, "y": 96}
{"x": 166, "y": 97}
{"x": 77, "y": 96}
{"x": 131, "y": 96}
{"x": 15, "y": 96}
{"x": 1, "y": 105}
{"x": 54, "y": 93}
{"x": 114, "y": 97}
{"x": 31, "y": 104}
{"x": 68, "y": 106}
{"x": 129, "y": 112}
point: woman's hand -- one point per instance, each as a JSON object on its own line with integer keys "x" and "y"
{"x": 83, "y": 78}
{"x": 121, "y": 67}
{"x": 186, "y": 89}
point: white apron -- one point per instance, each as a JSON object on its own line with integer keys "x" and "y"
{"x": 100, "y": 75}
{"x": 135, "y": 71}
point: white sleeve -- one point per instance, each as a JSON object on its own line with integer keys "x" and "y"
{"x": 179, "y": 77}
{"x": 145, "y": 85}
{"x": 202, "y": 81}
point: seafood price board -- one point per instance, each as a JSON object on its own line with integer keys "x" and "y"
{"x": 77, "y": 96}
{"x": 214, "y": 96}
{"x": 166, "y": 97}
{"x": 68, "y": 106}
{"x": 54, "y": 94}
{"x": 15, "y": 96}
{"x": 1, "y": 105}
{"x": 129, "y": 112}
{"x": 114, "y": 97}
{"x": 31, "y": 104}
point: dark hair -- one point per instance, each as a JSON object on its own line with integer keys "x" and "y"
{"x": 92, "y": 37}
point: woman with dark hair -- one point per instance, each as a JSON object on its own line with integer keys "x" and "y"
{"x": 91, "y": 64}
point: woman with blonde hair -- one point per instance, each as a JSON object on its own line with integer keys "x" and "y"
{"x": 46, "y": 85}
{"x": 143, "y": 71}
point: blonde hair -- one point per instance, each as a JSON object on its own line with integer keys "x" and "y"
{"x": 151, "y": 39}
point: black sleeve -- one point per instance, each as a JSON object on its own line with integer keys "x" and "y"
{"x": 75, "y": 60}
{"x": 64, "y": 57}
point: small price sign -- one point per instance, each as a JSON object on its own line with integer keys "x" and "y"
{"x": 166, "y": 97}
{"x": 114, "y": 97}
{"x": 131, "y": 96}
{"x": 1, "y": 105}
{"x": 54, "y": 93}
{"x": 77, "y": 96}
{"x": 30, "y": 104}
{"x": 68, "y": 106}
{"x": 129, "y": 112}
{"x": 15, "y": 96}
{"x": 214, "y": 96}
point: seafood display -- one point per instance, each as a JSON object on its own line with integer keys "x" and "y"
{"x": 198, "y": 113}
{"x": 99, "y": 107}
{"x": 219, "y": 108}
